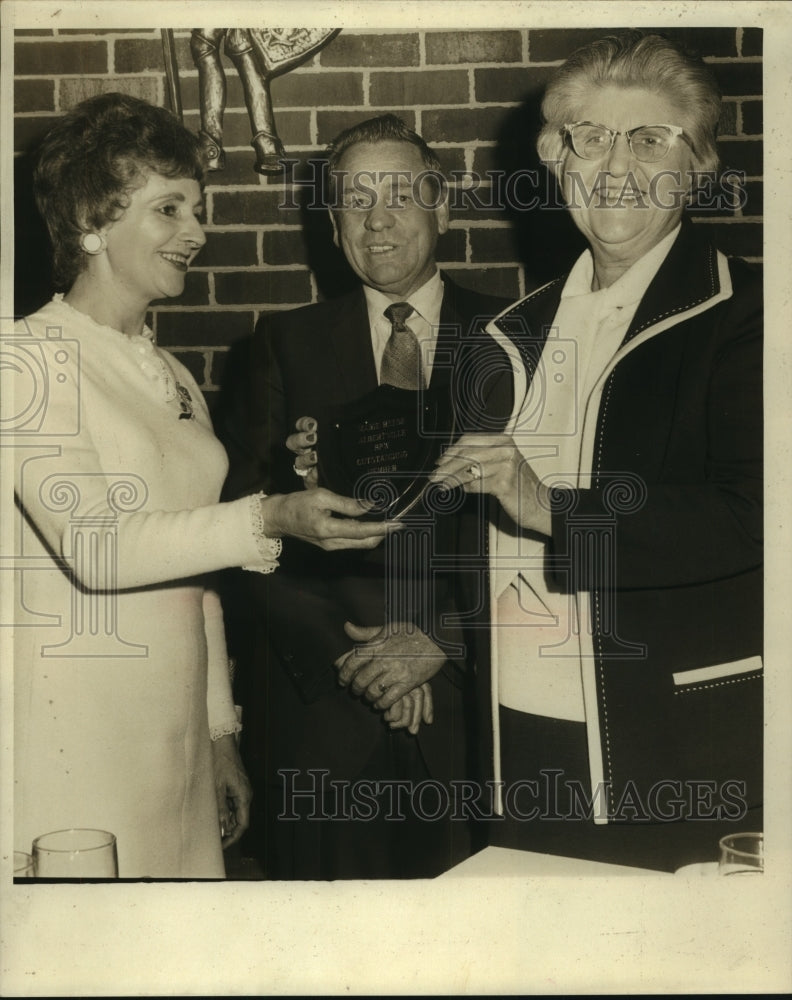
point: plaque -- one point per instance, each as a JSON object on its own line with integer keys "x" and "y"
{"x": 382, "y": 447}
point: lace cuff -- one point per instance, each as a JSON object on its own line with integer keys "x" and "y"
{"x": 269, "y": 548}
{"x": 228, "y": 728}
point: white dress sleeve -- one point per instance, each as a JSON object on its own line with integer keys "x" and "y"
{"x": 223, "y": 718}
{"x": 59, "y": 481}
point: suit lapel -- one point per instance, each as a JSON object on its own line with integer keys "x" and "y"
{"x": 448, "y": 336}
{"x": 687, "y": 277}
{"x": 528, "y": 322}
{"x": 466, "y": 354}
{"x": 350, "y": 339}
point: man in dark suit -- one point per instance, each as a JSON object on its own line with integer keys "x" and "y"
{"x": 358, "y": 707}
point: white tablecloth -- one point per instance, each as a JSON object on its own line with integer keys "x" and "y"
{"x": 508, "y": 862}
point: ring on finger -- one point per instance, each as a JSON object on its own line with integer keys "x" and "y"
{"x": 382, "y": 687}
{"x": 474, "y": 472}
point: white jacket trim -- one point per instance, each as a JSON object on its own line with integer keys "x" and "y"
{"x": 520, "y": 391}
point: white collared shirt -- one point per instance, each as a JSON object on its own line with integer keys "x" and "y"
{"x": 424, "y": 321}
{"x": 538, "y": 655}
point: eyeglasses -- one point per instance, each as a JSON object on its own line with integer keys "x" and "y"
{"x": 647, "y": 143}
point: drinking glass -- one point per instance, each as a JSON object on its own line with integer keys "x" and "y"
{"x": 76, "y": 854}
{"x": 23, "y": 865}
{"x": 741, "y": 854}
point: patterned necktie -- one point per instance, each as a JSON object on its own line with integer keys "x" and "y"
{"x": 401, "y": 361}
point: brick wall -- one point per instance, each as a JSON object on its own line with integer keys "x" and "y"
{"x": 474, "y": 96}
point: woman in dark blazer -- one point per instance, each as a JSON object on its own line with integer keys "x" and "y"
{"x": 625, "y": 591}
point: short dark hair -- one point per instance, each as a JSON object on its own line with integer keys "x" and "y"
{"x": 635, "y": 58}
{"x": 383, "y": 128}
{"x": 94, "y": 157}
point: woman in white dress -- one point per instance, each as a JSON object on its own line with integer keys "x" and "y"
{"x": 124, "y": 719}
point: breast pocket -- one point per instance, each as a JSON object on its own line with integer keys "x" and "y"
{"x": 718, "y": 675}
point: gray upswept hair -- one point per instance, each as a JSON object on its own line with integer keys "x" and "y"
{"x": 634, "y": 59}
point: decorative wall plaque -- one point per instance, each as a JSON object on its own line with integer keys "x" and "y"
{"x": 259, "y": 55}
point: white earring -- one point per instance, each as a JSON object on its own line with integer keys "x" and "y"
{"x": 92, "y": 243}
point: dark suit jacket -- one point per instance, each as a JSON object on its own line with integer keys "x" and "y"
{"x": 677, "y": 476}
{"x": 308, "y": 362}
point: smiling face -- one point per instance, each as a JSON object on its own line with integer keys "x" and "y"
{"x": 151, "y": 245}
{"x": 623, "y": 206}
{"x": 386, "y": 223}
